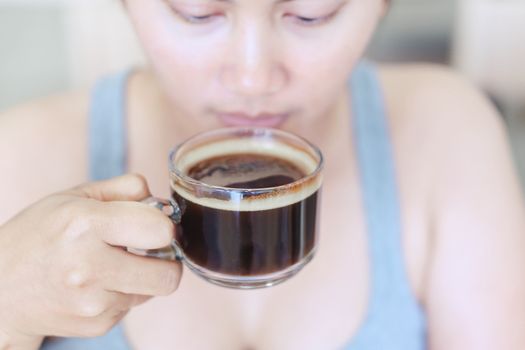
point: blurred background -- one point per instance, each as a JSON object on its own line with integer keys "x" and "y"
{"x": 48, "y": 46}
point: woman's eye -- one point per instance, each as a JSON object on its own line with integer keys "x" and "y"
{"x": 311, "y": 21}
{"x": 308, "y": 20}
{"x": 200, "y": 19}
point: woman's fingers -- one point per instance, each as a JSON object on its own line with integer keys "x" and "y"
{"x": 131, "y": 274}
{"x": 129, "y": 187}
{"x": 123, "y": 224}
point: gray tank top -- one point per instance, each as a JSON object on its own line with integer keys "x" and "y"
{"x": 394, "y": 319}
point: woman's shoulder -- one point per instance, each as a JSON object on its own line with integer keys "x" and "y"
{"x": 43, "y": 144}
{"x": 442, "y": 114}
{"x": 45, "y": 116}
{"x": 449, "y": 137}
{"x": 435, "y": 94}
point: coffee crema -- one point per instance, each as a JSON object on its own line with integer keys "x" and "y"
{"x": 242, "y": 200}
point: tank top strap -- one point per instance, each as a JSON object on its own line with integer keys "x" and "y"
{"x": 107, "y": 127}
{"x": 390, "y": 292}
{"x": 115, "y": 339}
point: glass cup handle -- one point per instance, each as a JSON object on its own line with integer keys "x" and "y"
{"x": 172, "y": 210}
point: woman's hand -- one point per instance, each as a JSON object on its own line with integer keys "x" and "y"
{"x": 63, "y": 269}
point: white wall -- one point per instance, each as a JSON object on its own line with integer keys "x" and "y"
{"x": 490, "y": 46}
{"x": 100, "y": 40}
{"x": 48, "y": 46}
{"x": 32, "y": 50}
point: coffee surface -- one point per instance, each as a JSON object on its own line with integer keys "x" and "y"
{"x": 251, "y": 171}
{"x": 248, "y": 243}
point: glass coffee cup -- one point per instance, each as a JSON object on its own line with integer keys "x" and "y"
{"x": 245, "y": 204}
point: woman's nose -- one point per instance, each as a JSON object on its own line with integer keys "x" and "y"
{"x": 253, "y": 67}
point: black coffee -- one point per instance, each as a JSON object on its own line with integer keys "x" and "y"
{"x": 241, "y": 242}
{"x": 246, "y": 171}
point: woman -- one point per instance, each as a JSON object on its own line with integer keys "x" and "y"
{"x": 421, "y": 237}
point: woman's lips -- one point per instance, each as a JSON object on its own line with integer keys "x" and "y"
{"x": 267, "y": 120}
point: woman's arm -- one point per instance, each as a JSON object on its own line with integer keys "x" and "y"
{"x": 475, "y": 285}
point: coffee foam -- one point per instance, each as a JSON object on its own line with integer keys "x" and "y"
{"x": 258, "y": 199}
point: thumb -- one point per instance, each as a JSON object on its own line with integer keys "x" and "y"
{"x": 130, "y": 187}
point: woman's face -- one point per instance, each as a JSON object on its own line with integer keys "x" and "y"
{"x": 254, "y": 62}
